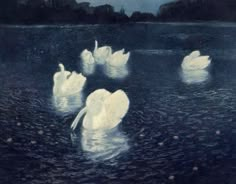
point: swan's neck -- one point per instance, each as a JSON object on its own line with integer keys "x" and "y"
{"x": 78, "y": 117}
{"x": 96, "y": 45}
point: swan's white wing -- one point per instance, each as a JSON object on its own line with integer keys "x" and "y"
{"x": 74, "y": 83}
{"x": 101, "y": 54}
{"x": 104, "y": 52}
{"x": 118, "y": 59}
{"x": 201, "y": 62}
{"x": 119, "y": 52}
{"x": 116, "y": 107}
{"x": 58, "y": 76}
{"x": 87, "y": 57}
{"x": 195, "y": 54}
{"x": 59, "y": 79}
{"x": 126, "y": 57}
{"x": 95, "y": 100}
{"x": 95, "y": 117}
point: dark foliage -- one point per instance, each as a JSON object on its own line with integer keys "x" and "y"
{"x": 70, "y": 12}
{"x": 198, "y": 10}
{"x": 55, "y": 11}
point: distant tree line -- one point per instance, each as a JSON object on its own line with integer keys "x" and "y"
{"x": 198, "y": 10}
{"x": 68, "y": 11}
{"x": 57, "y": 11}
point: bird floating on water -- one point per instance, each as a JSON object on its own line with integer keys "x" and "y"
{"x": 118, "y": 58}
{"x": 195, "y": 61}
{"x": 104, "y": 110}
{"x": 87, "y": 57}
{"x": 67, "y": 83}
{"x": 100, "y": 54}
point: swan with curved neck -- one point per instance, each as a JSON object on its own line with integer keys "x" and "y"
{"x": 118, "y": 58}
{"x": 104, "y": 110}
{"x": 195, "y": 61}
{"x": 67, "y": 83}
{"x": 101, "y": 53}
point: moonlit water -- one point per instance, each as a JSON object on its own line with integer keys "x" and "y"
{"x": 101, "y": 146}
{"x": 178, "y": 129}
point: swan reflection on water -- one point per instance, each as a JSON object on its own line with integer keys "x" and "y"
{"x": 99, "y": 145}
{"x": 88, "y": 69}
{"x": 194, "y": 76}
{"x": 67, "y": 104}
{"x": 116, "y": 72}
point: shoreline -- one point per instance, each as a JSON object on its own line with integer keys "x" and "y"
{"x": 62, "y": 25}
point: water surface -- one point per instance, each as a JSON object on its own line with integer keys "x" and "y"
{"x": 181, "y": 125}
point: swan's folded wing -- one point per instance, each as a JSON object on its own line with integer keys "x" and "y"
{"x": 74, "y": 83}
{"x": 126, "y": 57}
{"x": 195, "y": 54}
{"x": 116, "y": 107}
{"x": 61, "y": 75}
{"x": 95, "y": 101}
{"x": 119, "y": 52}
{"x": 202, "y": 62}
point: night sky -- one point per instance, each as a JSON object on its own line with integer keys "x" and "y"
{"x": 131, "y": 5}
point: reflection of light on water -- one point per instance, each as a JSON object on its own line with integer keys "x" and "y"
{"x": 67, "y": 104}
{"x": 88, "y": 69}
{"x": 116, "y": 72}
{"x": 102, "y": 145}
{"x": 195, "y": 76}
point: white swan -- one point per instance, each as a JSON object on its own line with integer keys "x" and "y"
{"x": 104, "y": 110}
{"x": 118, "y": 58}
{"x": 87, "y": 57}
{"x": 67, "y": 83}
{"x": 195, "y": 61}
{"x": 101, "y": 53}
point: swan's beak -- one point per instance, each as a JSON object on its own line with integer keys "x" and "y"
{"x": 78, "y": 117}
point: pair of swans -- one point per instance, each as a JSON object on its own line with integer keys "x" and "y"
{"x": 102, "y": 55}
{"x": 104, "y": 110}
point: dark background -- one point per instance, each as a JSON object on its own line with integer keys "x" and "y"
{"x": 71, "y": 12}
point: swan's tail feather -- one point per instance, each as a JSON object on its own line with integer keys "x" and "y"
{"x": 78, "y": 117}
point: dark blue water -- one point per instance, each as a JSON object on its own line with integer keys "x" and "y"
{"x": 179, "y": 128}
